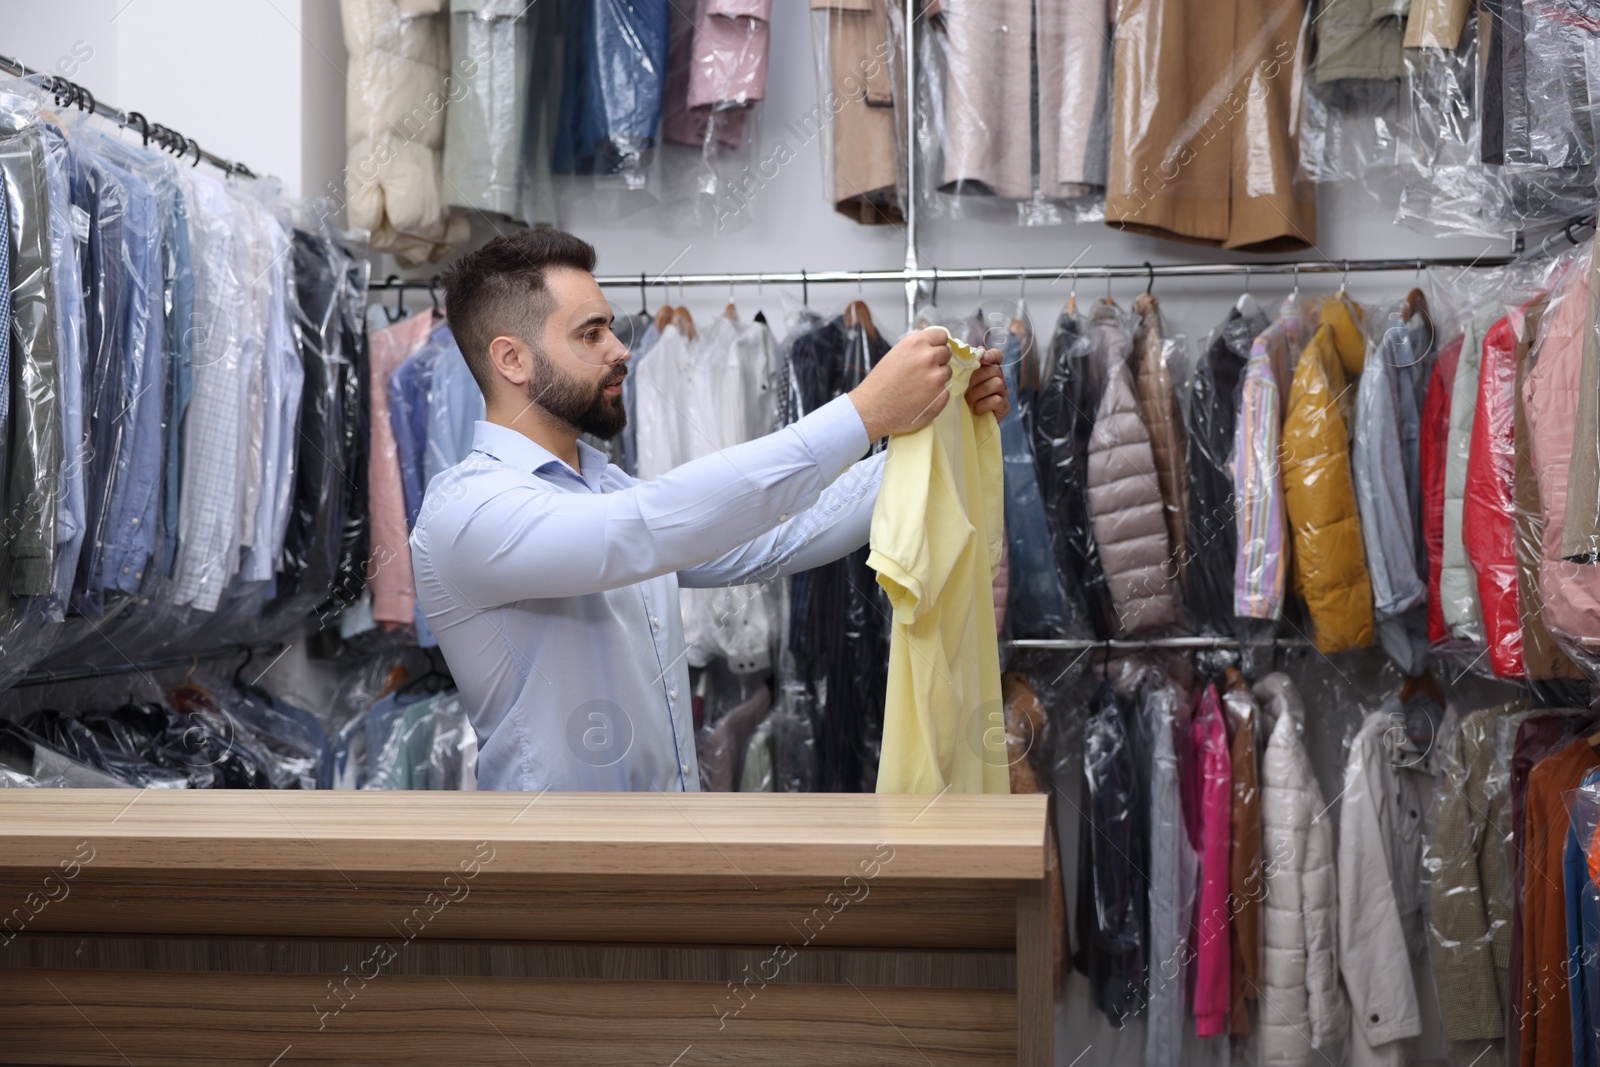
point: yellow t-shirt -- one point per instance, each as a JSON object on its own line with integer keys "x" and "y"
{"x": 937, "y": 534}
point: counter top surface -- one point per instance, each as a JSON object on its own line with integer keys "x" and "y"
{"x": 648, "y": 834}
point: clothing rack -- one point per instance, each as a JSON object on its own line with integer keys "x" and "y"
{"x": 70, "y": 94}
{"x": 1138, "y": 645}
{"x": 80, "y": 674}
{"x": 935, "y": 275}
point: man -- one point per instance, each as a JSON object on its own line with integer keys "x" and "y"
{"x": 551, "y": 579}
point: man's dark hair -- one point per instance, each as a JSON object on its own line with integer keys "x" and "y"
{"x": 499, "y": 290}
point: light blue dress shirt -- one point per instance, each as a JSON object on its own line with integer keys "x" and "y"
{"x": 554, "y": 592}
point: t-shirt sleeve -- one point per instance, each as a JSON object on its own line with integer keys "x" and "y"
{"x": 919, "y": 529}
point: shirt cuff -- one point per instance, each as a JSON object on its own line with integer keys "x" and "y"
{"x": 834, "y": 435}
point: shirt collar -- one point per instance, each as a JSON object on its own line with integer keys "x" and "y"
{"x": 522, "y": 452}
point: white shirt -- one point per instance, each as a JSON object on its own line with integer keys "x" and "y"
{"x": 554, "y": 592}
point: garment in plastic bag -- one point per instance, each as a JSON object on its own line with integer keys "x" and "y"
{"x": 1385, "y": 462}
{"x": 716, "y": 82}
{"x": 1036, "y": 603}
{"x": 1330, "y": 570}
{"x": 1258, "y": 483}
{"x": 1549, "y": 104}
{"x": 1446, "y": 188}
{"x": 427, "y": 744}
{"x": 1211, "y": 539}
{"x": 496, "y": 123}
{"x": 1112, "y": 896}
{"x": 1027, "y": 757}
{"x": 1205, "y": 142}
{"x": 1173, "y": 866}
{"x": 857, "y": 122}
{"x": 1063, "y": 421}
{"x": 402, "y": 86}
{"x": 722, "y": 742}
{"x": 1458, "y": 586}
{"x": 1158, "y": 405}
{"x": 1126, "y": 509}
{"x": 613, "y": 82}
{"x": 1013, "y": 110}
{"x": 1470, "y": 887}
{"x": 1303, "y": 1014}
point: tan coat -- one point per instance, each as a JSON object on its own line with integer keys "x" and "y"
{"x": 1203, "y": 148}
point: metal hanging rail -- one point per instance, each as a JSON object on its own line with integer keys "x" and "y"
{"x": 70, "y": 94}
{"x": 45, "y": 676}
{"x": 985, "y": 274}
{"x": 1136, "y": 645}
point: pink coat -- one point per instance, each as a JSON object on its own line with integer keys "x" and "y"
{"x": 1209, "y": 738}
{"x": 1571, "y": 591}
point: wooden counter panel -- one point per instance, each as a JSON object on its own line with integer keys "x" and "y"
{"x": 648, "y": 834}
{"x": 153, "y": 1018}
{"x": 883, "y": 912}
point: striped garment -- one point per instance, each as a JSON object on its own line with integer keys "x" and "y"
{"x": 1257, "y": 473}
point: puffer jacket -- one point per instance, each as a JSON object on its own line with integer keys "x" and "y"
{"x": 1434, "y": 445}
{"x": 1488, "y": 512}
{"x": 399, "y": 58}
{"x": 1126, "y": 509}
{"x": 1213, "y": 542}
{"x": 1303, "y": 1011}
{"x": 1063, "y": 420}
{"x": 1330, "y": 570}
{"x": 1458, "y": 585}
{"x": 1158, "y": 404}
{"x": 1570, "y": 591}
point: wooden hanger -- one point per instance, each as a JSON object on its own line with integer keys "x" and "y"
{"x": 664, "y": 318}
{"x": 730, "y": 312}
{"x": 1423, "y": 683}
{"x": 684, "y": 322}
{"x": 858, "y": 314}
{"x": 1417, "y": 304}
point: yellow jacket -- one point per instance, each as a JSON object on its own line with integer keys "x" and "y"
{"x": 1330, "y": 567}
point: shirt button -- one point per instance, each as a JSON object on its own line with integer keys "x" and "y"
{"x": 672, "y": 694}
{"x": 125, "y": 570}
{"x": 684, "y": 767}
{"x": 783, "y": 518}
{"x": 136, "y": 522}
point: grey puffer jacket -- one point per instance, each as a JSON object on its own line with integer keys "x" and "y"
{"x": 1127, "y": 511}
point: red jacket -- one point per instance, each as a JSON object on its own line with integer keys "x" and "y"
{"x": 1488, "y": 516}
{"x": 1435, "y": 435}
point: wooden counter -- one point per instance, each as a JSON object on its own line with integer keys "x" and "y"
{"x": 161, "y": 927}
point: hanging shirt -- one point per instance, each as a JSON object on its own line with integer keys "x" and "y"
{"x": 394, "y": 594}
{"x": 554, "y": 590}
{"x": 936, "y": 539}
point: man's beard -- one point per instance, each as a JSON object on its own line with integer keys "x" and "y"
{"x": 574, "y": 403}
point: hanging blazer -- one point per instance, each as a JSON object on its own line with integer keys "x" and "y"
{"x": 1330, "y": 570}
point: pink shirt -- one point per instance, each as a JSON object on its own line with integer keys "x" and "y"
{"x": 721, "y": 67}
{"x": 394, "y": 593}
{"x": 1212, "y": 955}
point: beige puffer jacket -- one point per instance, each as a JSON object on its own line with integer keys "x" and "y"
{"x": 394, "y": 126}
{"x": 1302, "y": 1008}
{"x": 1126, "y": 511}
{"x": 1169, "y": 441}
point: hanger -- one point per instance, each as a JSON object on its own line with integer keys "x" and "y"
{"x": 858, "y": 314}
{"x": 805, "y": 289}
{"x": 644, "y": 298}
{"x": 1149, "y": 279}
{"x": 433, "y": 294}
{"x": 664, "y": 316}
{"x": 400, "y": 311}
{"x": 1417, "y": 304}
{"x": 1423, "y": 683}
{"x": 242, "y": 686}
{"x": 1072, "y": 296}
{"x": 684, "y": 322}
{"x": 433, "y": 680}
{"x": 730, "y": 312}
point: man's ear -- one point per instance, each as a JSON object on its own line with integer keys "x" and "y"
{"x": 508, "y": 357}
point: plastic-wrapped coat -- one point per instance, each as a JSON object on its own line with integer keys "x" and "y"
{"x": 1488, "y": 511}
{"x": 1126, "y": 508}
{"x": 1570, "y": 591}
{"x": 1435, "y": 442}
{"x": 1213, "y": 542}
{"x": 1458, "y": 586}
{"x": 1330, "y": 570}
{"x": 1063, "y": 421}
{"x": 394, "y": 123}
{"x": 1158, "y": 404}
{"x": 1303, "y": 1011}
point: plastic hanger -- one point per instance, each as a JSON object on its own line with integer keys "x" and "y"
{"x": 400, "y": 310}
{"x": 433, "y": 294}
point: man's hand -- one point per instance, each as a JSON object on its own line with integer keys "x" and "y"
{"x": 986, "y": 389}
{"x": 909, "y": 386}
